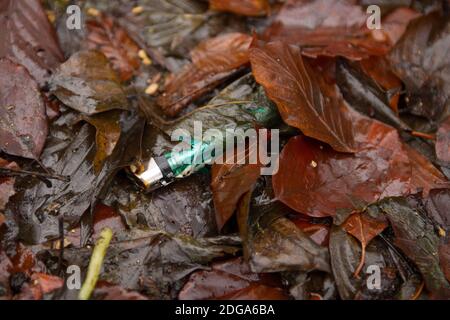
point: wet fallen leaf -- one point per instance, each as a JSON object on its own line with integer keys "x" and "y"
{"x": 231, "y": 280}
{"x": 318, "y": 232}
{"x": 273, "y": 243}
{"x": 107, "y": 135}
{"x": 335, "y": 180}
{"x": 420, "y": 59}
{"x": 28, "y": 38}
{"x": 241, "y": 7}
{"x": 87, "y": 83}
{"x": 416, "y": 237}
{"x": 304, "y": 99}
{"x": 106, "y": 36}
{"x": 230, "y": 181}
{"x": 323, "y": 28}
{"x": 23, "y": 121}
{"x": 425, "y": 176}
{"x": 364, "y": 94}
{"x": 213, "y": 60}
{"x": 363, "y": 228}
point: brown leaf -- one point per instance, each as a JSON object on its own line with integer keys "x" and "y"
{"x": 303, "y": 97}
{"x": 229, "y": 182}
{"x": 106, "y": 36}
{"x": 47, "y": 283}
{"x": 107, "y": 135}
{"x": 242, "y": 7}
{"x": 315, "y": 180}
{"x": 213, "y": 60}
{"x": 231, "y": 280}
{"x": 424, "y": 175}
{"x": 23, "y": 120}
{"x": 324, "y": 27}
{"x": 443, "y": 141}
{"x": 379, "y": 70}
{"x": 6, "y": 184}
{"x": 363, "y": 228}
{"x": 395, "y": 24}
{"x": 28, "y": 38}
{"x": 318, "y": 232}
{"x": 87, "y": 83}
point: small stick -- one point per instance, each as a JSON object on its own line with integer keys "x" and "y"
{"x": 14, "y": 172}
{"x": 61, "y": 242}
{"x": 423, "y": 135}
{"x": 95, "y": 265}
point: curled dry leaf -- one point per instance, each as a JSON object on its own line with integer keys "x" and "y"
{"x": 28, "y": 38}
{"x": 6, "y": 184}
{"x": 23, "y": 120}
{"x": 364, "y": 228}
{"x": 213, "y": 60}
{"x": 113, "y": 41}
{"x": 241, "y": 7}
{"x": 232, "y": 280}
{"x": 443, "y": 141}
{"x": 315, "y": 180}
{"x": 323, "y": 28}
{"x": 87, "y": 83}
{"x": 303, "y": 97}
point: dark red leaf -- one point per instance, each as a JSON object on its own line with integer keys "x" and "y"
{"x": 303, "y": 97}
{"x": 315, "y": 180}
{"x": 213, "y": 60}
{"x": 424, "y": 175}
{"x": 28, "y": 38}
{"x": 363, "y": 228}
{"x": 228, "y": 183}
{"x": 23, "y": 120}
{"x": 106, "y": 36}
{"x": 230, "y": 280}
{"x": 324, "y": 27}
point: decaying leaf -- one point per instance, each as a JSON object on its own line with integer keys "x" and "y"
{"x": 417, "y": 238}
{"x": 113, "y": 41}
{"x": 274, "y": 244}
{"x": 28, "y": 38}
{"x": 213, "y": 60}
{"x": 23, "y": 120}
{"x": 304, "y": 99}
{"x": 154, "y": 261}
{"x": 87, "y": 83}
{"x": 363, "y": 228}
{"x": 241, "y": 7}
{"x": 231, "y": 280}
